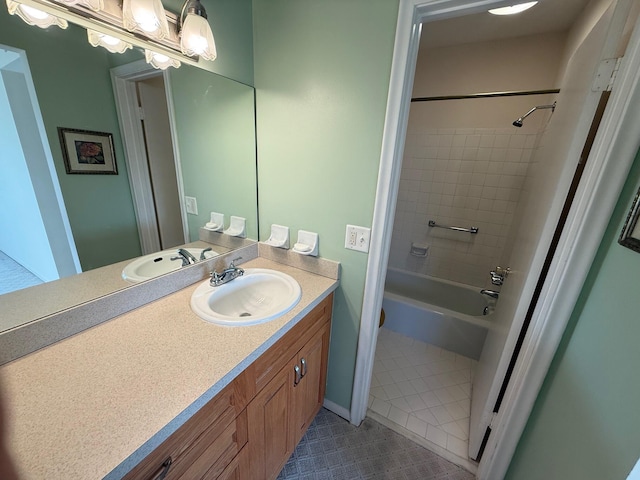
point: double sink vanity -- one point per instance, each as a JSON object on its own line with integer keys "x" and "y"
{"x": 162, "y": 391}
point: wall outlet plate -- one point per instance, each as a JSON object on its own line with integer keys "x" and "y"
{"x": 191, "y": 205}
{"x": 357, "y": 238}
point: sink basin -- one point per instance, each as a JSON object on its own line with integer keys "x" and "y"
{"x": 260, "y": 295}
{"x": 155, "y": 264}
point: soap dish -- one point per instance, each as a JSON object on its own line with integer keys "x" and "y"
{"x": 307, "y": 243}
{"x": 216, "y": 224}
{"x": 279, "y": 237}
{"x": 237, "y": 228}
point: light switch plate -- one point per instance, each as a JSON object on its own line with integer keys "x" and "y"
{"x": 191, "y": 205}
{"x": 357, "y": 238}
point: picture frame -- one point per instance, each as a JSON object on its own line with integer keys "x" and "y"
{"x": 87, "y": 152}
{"x": 630, "y": 235}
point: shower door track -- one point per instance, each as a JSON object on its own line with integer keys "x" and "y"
{"x": 512, "y": 93}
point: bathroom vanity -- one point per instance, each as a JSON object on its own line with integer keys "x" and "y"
{"x": 159, "y": 391}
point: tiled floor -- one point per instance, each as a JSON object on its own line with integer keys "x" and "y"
{"x": 333, "y": 449}
{"x": 423, "y": 392}
{"x": 14, "y": 276}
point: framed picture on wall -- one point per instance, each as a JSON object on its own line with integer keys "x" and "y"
{"x": 87, "y": 152}
{"x": 630, "y": 236}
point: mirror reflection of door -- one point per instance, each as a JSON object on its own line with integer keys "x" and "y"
{"x": 36, "y": 244}
{"x": 154, "y": 118}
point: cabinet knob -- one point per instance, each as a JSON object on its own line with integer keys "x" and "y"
{"x": 303, "y": 363}
{"x": 296, "y": 381}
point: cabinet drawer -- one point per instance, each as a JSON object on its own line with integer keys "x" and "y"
{"x": 215, "y": 434}
{"x": 273, "y": 360}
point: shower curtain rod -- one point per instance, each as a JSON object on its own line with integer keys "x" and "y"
{"x": 513, "y": 93}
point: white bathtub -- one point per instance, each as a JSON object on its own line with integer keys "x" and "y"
{"x": 447, "y": 314}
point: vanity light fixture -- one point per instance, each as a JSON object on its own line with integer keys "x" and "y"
{"x": 118, "y": 25}
{"x": 34, "y": 16}
{"x": 145, "y": 16}
{"x": 112, "y": 44}
{"x": 196, "y": 37}
{"x": 512, "y": 10}
{"x": 160, "y": 61}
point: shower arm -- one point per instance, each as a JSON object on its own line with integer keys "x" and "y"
{"x": 518, "y": 122}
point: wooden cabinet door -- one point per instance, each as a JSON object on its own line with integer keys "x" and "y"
{"x": 308, "y": 393}
{"x": 270, "y": 435}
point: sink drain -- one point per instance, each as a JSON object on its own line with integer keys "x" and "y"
{"x": 245, "y": 314}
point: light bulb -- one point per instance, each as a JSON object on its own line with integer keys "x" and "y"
{"x": 34, "y": 16}
{"x": 159, "y": 60}
{"x": 196, "y": 37}
{"x": 512, "y": 10}
{"x": 147, "y": 16}
{"x": 112, "y": 44}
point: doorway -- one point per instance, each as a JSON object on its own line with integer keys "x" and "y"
{"x": 575, "y": 114}
{"x": 147, "y": 122}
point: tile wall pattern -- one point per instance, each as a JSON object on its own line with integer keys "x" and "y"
{"x": 461, "y": 177}
{"x": 424, "y": 392}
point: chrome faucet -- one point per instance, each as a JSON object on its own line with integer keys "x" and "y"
{"x": 490, "y": 293}
{"x": 202, "y": 256}
{"x": 186, "y": 257}
{"x": 228, "y": 274}
{"x": 499, "y": 274}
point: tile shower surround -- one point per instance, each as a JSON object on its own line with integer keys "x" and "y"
{"x": 462, "y": 177}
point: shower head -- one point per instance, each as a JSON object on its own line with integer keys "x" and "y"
{"x": 519, "y": 122}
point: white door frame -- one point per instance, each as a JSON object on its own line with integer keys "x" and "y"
{"x": 123, "y": 79}
{"x": 613, "y": 152}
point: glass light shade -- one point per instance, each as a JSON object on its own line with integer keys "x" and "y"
{"x": 95, "y": 5}
{"x": 512, "y": 10}
{"x": 196, "y": 37}
{"x": 146, "y": 16}
{"x": 33, "y": 16}
{"x": 113, "y": 44}
{"x": 160, "y": 61}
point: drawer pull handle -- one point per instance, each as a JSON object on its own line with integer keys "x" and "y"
{"x": 296, "y": 381}
{"x": 163, "y": 470}
{"x": 303, "y": 362}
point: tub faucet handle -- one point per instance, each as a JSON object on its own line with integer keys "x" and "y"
{"x": 499, "y": 274}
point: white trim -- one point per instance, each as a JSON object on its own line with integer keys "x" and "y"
{"x": 595, "y": 200}
{"x": 337, "y": 409}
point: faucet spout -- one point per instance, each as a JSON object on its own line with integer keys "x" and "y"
{"x": 228, "y": 274}
{"x": 186, "y": 257}
{"x": 490, "y": 293}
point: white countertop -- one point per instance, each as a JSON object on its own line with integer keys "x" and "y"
{"x": 101, "y": 400}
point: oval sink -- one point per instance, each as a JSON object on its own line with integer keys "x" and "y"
{"x": 260, "y": 295}
{"x": 155, "y": 264}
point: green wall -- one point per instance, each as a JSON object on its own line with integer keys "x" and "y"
{"x": 216, "y": 138}
{"x": 74, "y": 90}
{"x": 585, "y": 423}
{"x": 322, "y": 75}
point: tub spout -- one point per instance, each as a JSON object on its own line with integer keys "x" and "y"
{"x": 490, "y": 293}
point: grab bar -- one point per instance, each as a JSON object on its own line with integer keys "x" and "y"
{"x": 472, "y": 230}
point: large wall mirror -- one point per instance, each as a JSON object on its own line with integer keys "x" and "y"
{"x": 210, "y": 133}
